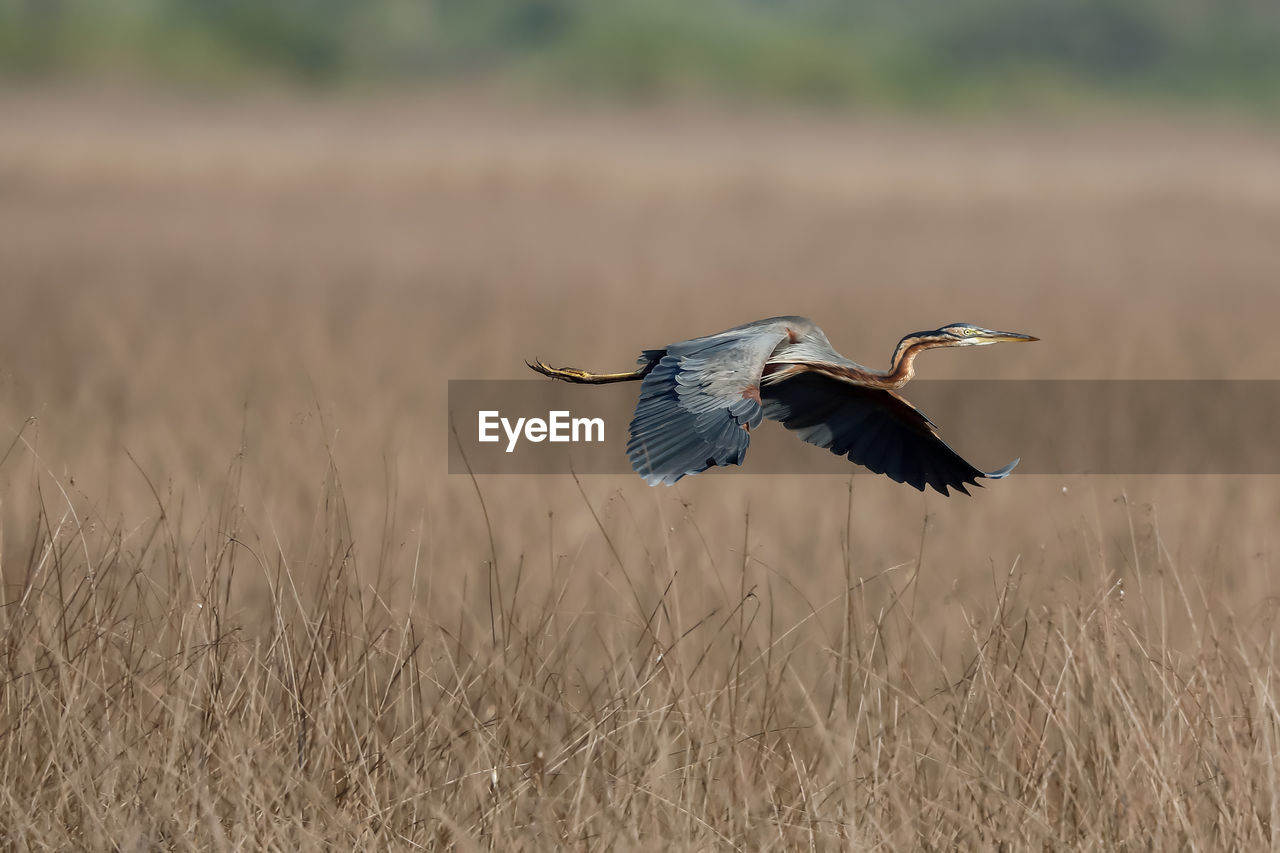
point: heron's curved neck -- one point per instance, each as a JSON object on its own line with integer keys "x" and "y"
{"x": 900, "y": 371}
{"x": 902, "y": 368}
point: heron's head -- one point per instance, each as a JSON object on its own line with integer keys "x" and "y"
{"x": 954, "y": 335}
{"x": 969, "y": 335}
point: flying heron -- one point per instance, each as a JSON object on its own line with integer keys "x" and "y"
{"x": 699, "y": 400}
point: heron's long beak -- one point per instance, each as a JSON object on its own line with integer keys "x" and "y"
{"x": 1000, "y": 337}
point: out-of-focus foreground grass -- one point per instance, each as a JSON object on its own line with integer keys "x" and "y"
{"x": 244, "y": 606}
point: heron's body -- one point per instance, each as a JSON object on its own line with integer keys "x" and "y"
{"x": 699, "y": 400}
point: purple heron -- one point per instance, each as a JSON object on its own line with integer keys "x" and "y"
{"x": 699, "y": 400}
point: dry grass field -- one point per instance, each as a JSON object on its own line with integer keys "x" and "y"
{"x": 244, "y": 605}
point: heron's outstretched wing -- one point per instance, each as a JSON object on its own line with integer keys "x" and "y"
{"x": 699, "y": 400}
{"x": 872, "y": 427}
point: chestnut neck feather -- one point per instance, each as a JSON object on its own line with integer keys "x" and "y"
{"x": 900, "y": 370}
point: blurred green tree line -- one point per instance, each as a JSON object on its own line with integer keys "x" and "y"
{"x": 914, "y": 52}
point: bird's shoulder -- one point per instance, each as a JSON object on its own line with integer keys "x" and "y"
{"x": 757, "y": 332}
{"x": 796, "y": 324}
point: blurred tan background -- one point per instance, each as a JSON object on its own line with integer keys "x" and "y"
{"x": 245, "y": 244}
{"x": 212, "y": 246}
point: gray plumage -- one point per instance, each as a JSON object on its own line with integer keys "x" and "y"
{"x": 700, "y": 398}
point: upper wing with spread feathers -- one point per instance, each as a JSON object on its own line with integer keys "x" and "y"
{"x": 874, "y": 428}
{"x": 698, "y": 402}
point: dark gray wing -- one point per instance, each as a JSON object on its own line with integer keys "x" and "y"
{"x": 872, "y": 427}
{"x": 698, "y": 402}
